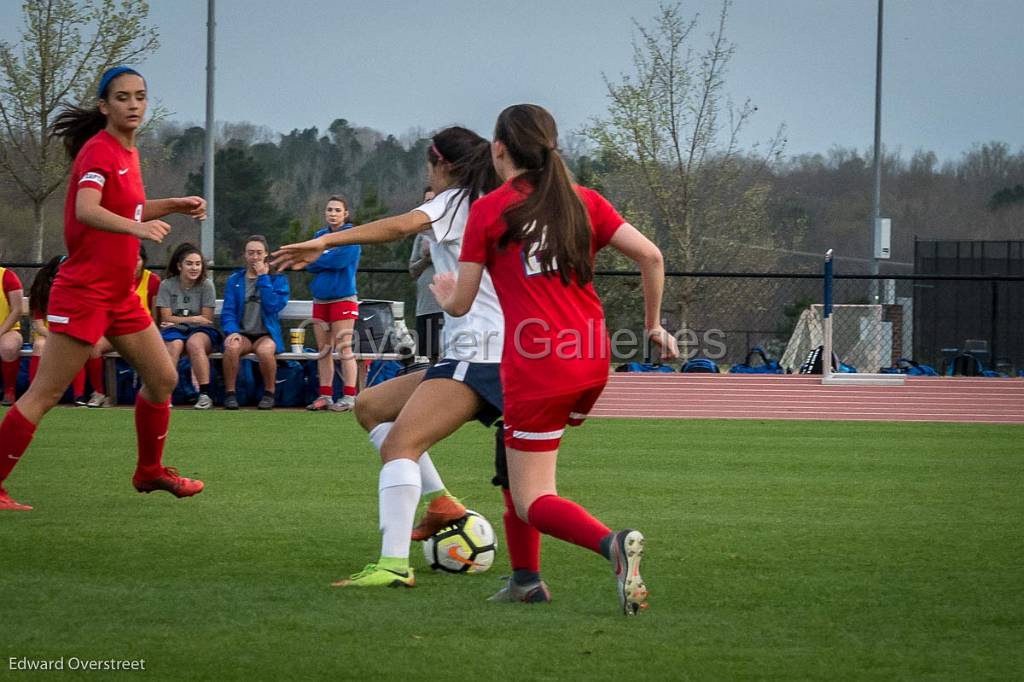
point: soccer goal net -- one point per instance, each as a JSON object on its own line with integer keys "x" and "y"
{"x": 862, "y": 336}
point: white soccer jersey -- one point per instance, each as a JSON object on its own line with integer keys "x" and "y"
{"x": 477, "y": 336}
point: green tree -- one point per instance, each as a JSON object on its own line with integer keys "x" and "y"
{"x": 64, "y": 47}
{"x": 669, "y": 151}
{"x": 370, "y": 206}
{"x": 1007, "y": 196}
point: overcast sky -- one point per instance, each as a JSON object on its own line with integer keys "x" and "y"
{"x": 952, "y": 69}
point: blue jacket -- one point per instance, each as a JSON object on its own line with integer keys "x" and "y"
{"x": 334, "y": 272}
{"x": 274, "y": 293}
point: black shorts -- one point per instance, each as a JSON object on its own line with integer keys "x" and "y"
{"x": 482, "y": 377}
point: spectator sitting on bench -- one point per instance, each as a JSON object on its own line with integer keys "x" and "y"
{"x": 10, "y": 330}
{"x": 147, "y": 284}
{"x": 186, "y": 302}
{"x": 252, "y": 300}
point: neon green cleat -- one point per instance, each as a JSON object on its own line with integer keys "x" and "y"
{"x": 374, "y": 576}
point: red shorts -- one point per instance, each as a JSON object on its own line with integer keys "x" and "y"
{"x": 537, "y": 424}
{"x": 67, "y": 313}
{"x": 339, "y": 310}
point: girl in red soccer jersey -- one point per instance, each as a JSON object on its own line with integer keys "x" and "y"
{"x": 537, "y": 235}
{"x": 106, "y": 213}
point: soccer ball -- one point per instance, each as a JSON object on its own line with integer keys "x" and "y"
{"x": 466, "y": 546}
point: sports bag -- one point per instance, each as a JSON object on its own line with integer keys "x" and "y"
{"x": 910, "y": 368}
{"x": 699, "y": 366}
{"x": 766, "y": 366}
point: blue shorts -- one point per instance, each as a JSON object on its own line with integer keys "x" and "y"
{"x": 176, "y": 333}
{"x": 481, "y": 377}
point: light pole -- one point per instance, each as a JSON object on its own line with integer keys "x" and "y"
{"x": 876, "y": 216}
{"x": 207, "y": 231}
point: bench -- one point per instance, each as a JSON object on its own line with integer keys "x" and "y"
{"x": 294, "y": 311}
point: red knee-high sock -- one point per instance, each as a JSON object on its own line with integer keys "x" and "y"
{"x": 15, "y": 434}
{"x": 94, "y": 366}
{"x": 33, "y": 367}
{"x": 10, "y": 370}
{"x": 566, "y": 520}
{"x": 151, "y": 421}
{"x": 78, "y": 385}
{"x": 522, "y": 538}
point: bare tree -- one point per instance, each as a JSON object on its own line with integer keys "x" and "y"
{"x": 670, "y": 152}
{"x": 64, "y": 47}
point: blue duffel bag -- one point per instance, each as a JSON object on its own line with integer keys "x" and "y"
{"x": 699, "y": 366}
{"x": 910, "y": 368}
{"x": 766, "y": 366}
{"x": 643, "y": 367}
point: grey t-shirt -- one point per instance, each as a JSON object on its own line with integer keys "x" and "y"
{"x": 426, "y": 304}
{"x": 186, "y": 302}
{"x": 252, "y": 318}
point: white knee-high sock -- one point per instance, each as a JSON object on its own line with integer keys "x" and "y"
{"x": 430, "y": 479}
{"x": 399, "y": 492}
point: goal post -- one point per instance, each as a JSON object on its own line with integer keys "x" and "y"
{"x": 828, "y": 377}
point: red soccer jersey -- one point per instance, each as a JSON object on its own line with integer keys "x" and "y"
{"x": 101, "y": 265}
{"x": 10, "y": 282}
{"x": 555, "y": 336}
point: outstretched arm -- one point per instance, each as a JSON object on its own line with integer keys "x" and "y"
{"x": 298, "y": 256}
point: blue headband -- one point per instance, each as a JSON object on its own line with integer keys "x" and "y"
{"x": 111, "y": 74}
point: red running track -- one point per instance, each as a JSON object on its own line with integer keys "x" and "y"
{"x": 732, "y": 396}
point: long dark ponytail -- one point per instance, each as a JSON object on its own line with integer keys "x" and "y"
{"x": 77, "y": 124}
{"x": 39, "y": 292}
{"x": 469, "y": 162}
{"x": 551, "y": 223}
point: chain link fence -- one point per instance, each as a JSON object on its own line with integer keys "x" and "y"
{"x": 722, "y": 316}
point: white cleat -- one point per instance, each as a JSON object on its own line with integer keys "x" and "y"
{"x": 626, "y": 552}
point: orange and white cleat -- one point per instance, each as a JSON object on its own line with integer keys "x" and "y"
{"x": 10, "y": 505}
{"x": 442, "y": 511}
{"x": 171, "y": 481}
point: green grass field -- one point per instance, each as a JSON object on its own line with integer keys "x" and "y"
{"x": 775, "y": 551}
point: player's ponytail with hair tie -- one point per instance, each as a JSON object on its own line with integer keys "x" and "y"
{"x": 530, "y": 135}
{"x": 437, "y": 152}
{"x": 76, "y": 125}
{"x": 469, "y": 163}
